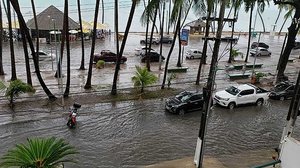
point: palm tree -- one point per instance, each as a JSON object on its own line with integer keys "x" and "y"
{"x": 199, "y": 4}
{"x": 288, "y": 15}
{"x": 15, "y": 88}
{"x": 143, "y": 78}
{"x": 1, "y": 39}
{"x": 117, "y": 68}
{"x": 81, "y": 36}
{"x": 102, "y": 3}
{"x": 28, "y": 71}
{"x": 66, "y": 30}
{"x": 11, "y": 44}
{"x": 292, "y": 32}
{"x": 88, "y": 84}
{"x": 39, "y": 153}
{"x": 23, "y": 26}
{"x": 176, "y": 14}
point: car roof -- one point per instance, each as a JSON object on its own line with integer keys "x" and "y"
{"x": 245, "y": 87}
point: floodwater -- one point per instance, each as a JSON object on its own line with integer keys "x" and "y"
{"x": 136, "y": 133}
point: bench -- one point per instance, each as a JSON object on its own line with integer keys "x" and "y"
{"x": 248, "y": 66}
{"x": 238, "y": 76}
{"x": 178, "y": 69}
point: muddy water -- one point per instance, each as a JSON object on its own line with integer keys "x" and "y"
{"x": 135, "y": 133}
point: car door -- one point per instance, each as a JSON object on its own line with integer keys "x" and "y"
{"x": 195, "y": 102}
{"x": 246, "y": 96}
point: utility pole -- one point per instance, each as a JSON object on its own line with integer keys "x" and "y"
{"x": 207, "y": 91}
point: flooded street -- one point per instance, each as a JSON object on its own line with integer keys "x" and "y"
{"x": 137, "y": 133}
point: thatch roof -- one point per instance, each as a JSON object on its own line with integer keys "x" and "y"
{"x": 46, "y": 20}
{"x": 197, "y": 23}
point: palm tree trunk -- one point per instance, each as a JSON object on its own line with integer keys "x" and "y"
{"x": 102, "y": 2}
{"x": 292, "y": 33}
{"x": 28, "y": 72}
{"x": 1, "y": 39}
{"x": 279, "y": 13}
{"x": 262, "y": 21}
{"x": 11, "y": 44}
{"x": 149, "y": 49}
{"x": 88, "y": 84}
{"x": 232, "y": 31}
{"x": 117, "y": 68}
{"x": 151, "y": 37}
{"x": 171, "y": 50}
{"x": 66, "y": 28}
{"x": 23, "y": 26}
{"x": 81, "y": 36}
{"x": 162, "y": 32}
{"x": 249, "y": 35}
{"x": 282, "y": 26}
{"x": 179, "y": 44}
{"x": 204, "y": 50}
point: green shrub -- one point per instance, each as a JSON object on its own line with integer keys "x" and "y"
{"x": 100, "y": 64}
{"x": 143, "y": 78}
{"x": 17, "y": 87}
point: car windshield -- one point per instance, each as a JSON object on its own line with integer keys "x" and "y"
{"x": 185, "y": 98}
{"x": 181, "y": 96}
{"x": 232, "y": 90}
{"x": 280, "y": 87}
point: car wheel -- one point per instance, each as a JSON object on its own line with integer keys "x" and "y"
{"x": 169, "y": 42}
{"x": 269, "y": 54}
{"x": 142, "y": 42}
{"x": 122, "y": 61}
{"x": 259, "y": 55}
{"x": 259, "y": 102}
{"x": 192, "y": 57}
{"x": 281, "y": 98}
{"x": 231, "y": 105}
{"x": 181, "y": 112}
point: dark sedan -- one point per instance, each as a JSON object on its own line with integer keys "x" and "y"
{"x": 282, "y": 91}
{"x": 154, "y": 57}
{"x": 184, "y": 102}
{"x": 108, "y": 56}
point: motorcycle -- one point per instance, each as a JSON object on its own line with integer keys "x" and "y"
{"x": 72, "y": 116}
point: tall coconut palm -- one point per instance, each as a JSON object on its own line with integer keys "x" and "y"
{"x": 39, "y": 153}
{"x": 66, "y": 30}
{"x": 1, "y": 39}
{"x": 23, "y": 26}
{"x": 88, "y": 83}
{"x": 153, "y": 4}
{"x": 81, "y": 36}
{"x": 176, "y": 14}
{"x": 103, "y": 12}
{"x": 28, "y": 71}
{"x": 11, "y": 44}
{"x": 292, "y": 32}
{"x": 117, "y": 68}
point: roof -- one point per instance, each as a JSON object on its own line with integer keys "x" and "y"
{"x": 49, "y": 17}
{"x": 197, "y": 23}
{"x": 245, "y": 87}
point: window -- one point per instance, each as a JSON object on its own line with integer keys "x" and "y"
{"x": 247, "y": 92}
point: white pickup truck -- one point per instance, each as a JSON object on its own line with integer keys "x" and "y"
{"x": 242, "y": 94}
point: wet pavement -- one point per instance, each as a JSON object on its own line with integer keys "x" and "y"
{"x": 139, "y": 133}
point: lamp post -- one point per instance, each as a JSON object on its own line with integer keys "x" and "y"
{"x": 58, "y": 62}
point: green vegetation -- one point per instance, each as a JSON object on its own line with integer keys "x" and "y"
{"x": 235, "y": 53}
{"x": 15, "y": 88}
{"x": 170, "y": 78}
{"x": 100, "y": 64}
{"x": 143, "y": 78}
{"x": 39, "y": 153}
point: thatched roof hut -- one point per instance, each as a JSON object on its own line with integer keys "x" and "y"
{"x": 197, "y": 26}
{"x": 49, "y": 19}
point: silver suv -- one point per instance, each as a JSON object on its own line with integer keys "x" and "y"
{"x": 260, "y": 51}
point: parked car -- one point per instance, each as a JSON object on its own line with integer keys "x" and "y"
{"x": 260, "y": 51}
{"x": 167, "y": 39}
{"x": 297, "y": 45}
{"x": 155, "y": 40}
{"x": 193, "y": 53}
{"x": 43, "y": 56}
{"x": 261, "y": 44}
{"x": 108, "y": 56}
{"x": 241, "y": 94}
{"x": 282, "y": 91}
{"x": 142, "y": 50}
{"x": 184, "y": 102}
{"x": 154, "y": 57}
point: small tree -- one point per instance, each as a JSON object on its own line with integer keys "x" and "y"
{"x": 100, "y": 64}
{"x": 15, "y": 88}
{"x": 170, "y": 78}
{"x": 143, "y": 78}
{"x": 39, "y": 153}
{"x": 235, "y": 53}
